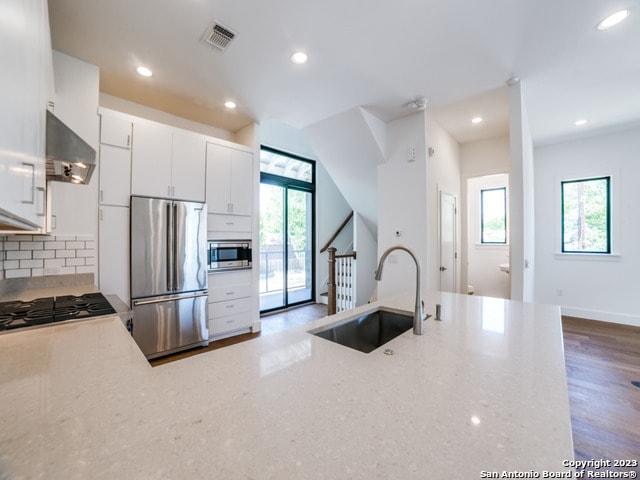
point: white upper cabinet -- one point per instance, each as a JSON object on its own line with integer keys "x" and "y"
{"x": 115, "y": 131}
{"x": 166, "y": 163}
{"x": 188, "y": 167}
{"x": 151, "y": 160}
{"x": 115, "y": 175}
{"x": 25, "y": 56}
{"x": 229, "y": 180}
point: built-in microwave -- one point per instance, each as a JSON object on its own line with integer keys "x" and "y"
{"x": 229, "y": 255}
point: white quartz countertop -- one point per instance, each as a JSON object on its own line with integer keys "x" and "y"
{"x": 483, "y": 390}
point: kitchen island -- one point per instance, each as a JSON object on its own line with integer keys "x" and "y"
{"x": 482, "y": 391}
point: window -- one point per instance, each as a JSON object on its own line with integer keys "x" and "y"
{"x": 586, "y": 215}
{"x": 493, "y": 215}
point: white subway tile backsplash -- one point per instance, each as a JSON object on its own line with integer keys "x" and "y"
{"x": 31, "y": 263}
{"x": 18, "y": 255}
{"x": 11, "y": 246}
{"x": 65, "y": 238}
{"x": 54, "y": 263}
{"x": 44, "y": 254}
{"x": 37, "y": 256}
{"x": 86, "y": 269}
{"x": 31, "y": 245}
{"x": 11, "y": 264}
{"x": 75, "y": 262}
{"x": 17, "y": 273}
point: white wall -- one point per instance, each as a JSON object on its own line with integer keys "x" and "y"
{"x": 366, "y": 246}
{"x": 521, "y": 198}
{"x": 443, "y": 173}
{"x": 479, "y": 159}
{"x": 402, "y": 204}
{"x": 483, "y": 261}
{"x": 591, "y": 286}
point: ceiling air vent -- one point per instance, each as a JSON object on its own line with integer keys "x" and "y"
{"x": 218, "y": 36}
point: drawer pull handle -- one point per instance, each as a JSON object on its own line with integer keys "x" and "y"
{"x": 230, "y": 321}
{"x": 230, "y": 293}
{"x": 230, "y": 306}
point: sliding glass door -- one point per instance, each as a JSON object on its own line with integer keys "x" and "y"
{"x": 286, "y": 239}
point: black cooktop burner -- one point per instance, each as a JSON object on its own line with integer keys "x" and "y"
{"x": 42, "y": 311}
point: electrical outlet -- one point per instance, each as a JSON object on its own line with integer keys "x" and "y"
{"x": 560, "y": 292}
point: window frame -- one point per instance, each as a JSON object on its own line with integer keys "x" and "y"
{"x": 609, "y": 211}
{"x": 506, "y": 230}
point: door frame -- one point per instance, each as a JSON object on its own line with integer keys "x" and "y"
{"x": 308, "y": 187}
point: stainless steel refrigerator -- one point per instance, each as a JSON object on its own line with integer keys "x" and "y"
{"x": 168, "y": 275}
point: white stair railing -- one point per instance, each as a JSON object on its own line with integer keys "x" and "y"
{"x": 345, "y": 282}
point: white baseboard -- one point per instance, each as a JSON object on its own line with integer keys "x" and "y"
{"x": 620, "y": 318}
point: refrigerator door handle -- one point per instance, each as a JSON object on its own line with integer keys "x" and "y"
{"x": 169, "y": 250}
{"x": 176, "y": 280}
{"x": 169, "y": 298}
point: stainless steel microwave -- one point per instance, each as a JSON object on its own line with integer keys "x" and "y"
{"x": 229, "y": 255}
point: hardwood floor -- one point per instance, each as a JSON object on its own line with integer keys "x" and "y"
{"x": 602, "y": 360}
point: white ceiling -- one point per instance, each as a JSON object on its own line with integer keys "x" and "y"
{"x": 371, "y": 53}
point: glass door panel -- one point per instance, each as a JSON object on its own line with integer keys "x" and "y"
{"x": 272, "y": 247}
{"x": 299, "y": 244}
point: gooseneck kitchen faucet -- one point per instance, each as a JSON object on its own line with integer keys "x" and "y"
{"x": 418, "y": 317}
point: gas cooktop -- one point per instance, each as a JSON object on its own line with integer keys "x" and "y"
{"x": 48, "y": 310}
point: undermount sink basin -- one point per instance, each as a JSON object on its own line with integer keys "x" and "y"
{"x": 368, "y": 331}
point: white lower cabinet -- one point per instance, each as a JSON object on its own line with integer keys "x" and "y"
{"x": 230, "y": 303}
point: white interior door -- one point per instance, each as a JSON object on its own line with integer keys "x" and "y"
{"x": 448, "y": 247}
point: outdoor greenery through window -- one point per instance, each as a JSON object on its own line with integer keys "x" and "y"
{"x": 586, "y": 217}
{"x": 493, "y": 215}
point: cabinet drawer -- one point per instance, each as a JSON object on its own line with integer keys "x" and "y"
{"x": 228, "y": 223}
{"x": 229, "y": 292}
{"x": 231, "y": 307}
{"x": 229, "y": 323}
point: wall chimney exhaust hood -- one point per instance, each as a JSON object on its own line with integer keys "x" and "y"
{"x": 69, "y": 157}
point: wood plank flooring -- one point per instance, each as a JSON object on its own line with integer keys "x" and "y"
{"x": 602, "y": 360}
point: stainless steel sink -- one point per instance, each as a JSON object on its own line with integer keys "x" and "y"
{"x": 368, "y": 331}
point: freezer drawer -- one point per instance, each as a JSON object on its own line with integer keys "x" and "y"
{"x": 166, "y": 325}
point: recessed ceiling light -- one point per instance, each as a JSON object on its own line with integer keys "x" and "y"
{"x": 614, "y": 19}
{"x": 229, "y": 104}
{"x": 476, "y": 120}
{"x": 299, "y": 58}
{"x": 579, "y": 123}
{"x": 144, "y": 71}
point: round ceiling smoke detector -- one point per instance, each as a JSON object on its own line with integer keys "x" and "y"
{"x": 419, "y": 103}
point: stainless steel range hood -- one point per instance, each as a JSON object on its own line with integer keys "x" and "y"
{"x": 69, "y": 157}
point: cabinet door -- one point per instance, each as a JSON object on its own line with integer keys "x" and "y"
{"x": 24, "y": 50}
{"x": 113, "y": 251}
{"x": 115, "y": 131}
{"x": 188, "y": 167}
{"x": 115, "y": 175}
{"x": 151, "y": 160}
{"x": 218, "y": 174}
{"x": 241, "y": 182}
